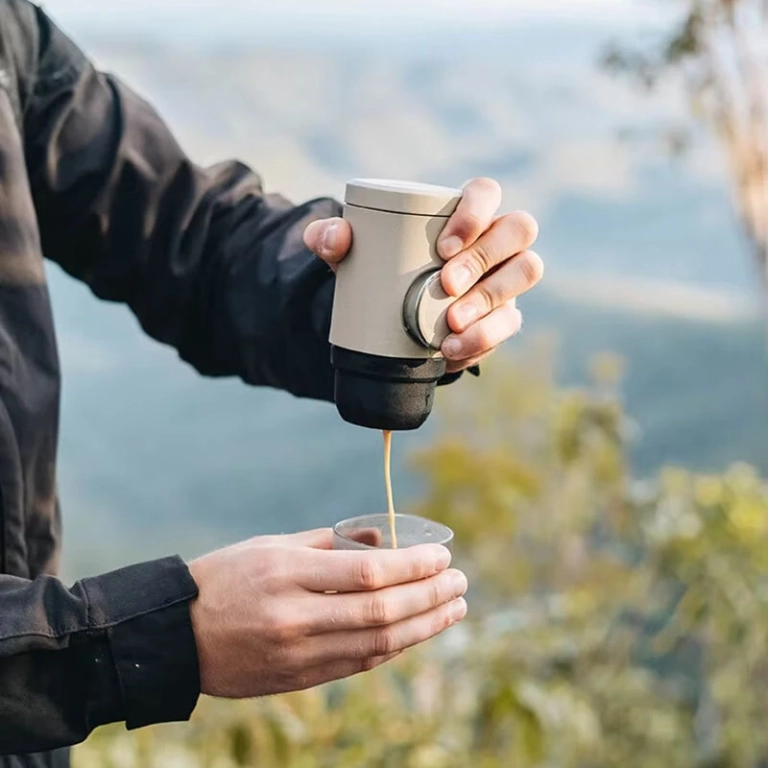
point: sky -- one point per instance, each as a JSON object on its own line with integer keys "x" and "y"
{"x": 339, "y": 17}
{"x": 423, "y": 9}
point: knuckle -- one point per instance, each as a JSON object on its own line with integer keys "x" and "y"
{"x": 525, "y": 225}
{"x": 489, "y": 296}
{"x": 377, "y": 612}
{"x": 368, "y": 663}
{"x": 421, "y": 567}
{"x": 436, "y": 593}
{"x": 383, "y": 642}
{"x": 267, "y": 560}
{"x": 532, "y": 267}
{"x": 482, "y": 259}
{"x": 416, "y": 571}
{"x": 271, "y": 570}
{"x": 368, "y": 573}
{"x": 283, "y": 627}
{"x": 469, "y": 226}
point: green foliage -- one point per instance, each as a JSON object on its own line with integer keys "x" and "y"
{"x": 612, "y": 622}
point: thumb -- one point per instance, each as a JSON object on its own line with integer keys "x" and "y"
{"x": 329, "y": 239}
{"x": 321, "y": 538}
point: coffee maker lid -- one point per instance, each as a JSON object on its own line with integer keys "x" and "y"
{"x": 402, "y": 197}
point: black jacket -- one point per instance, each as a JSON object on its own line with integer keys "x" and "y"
{"x": 91, "y": 179}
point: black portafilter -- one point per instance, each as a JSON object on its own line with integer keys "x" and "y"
{"x": 389, "y": 312}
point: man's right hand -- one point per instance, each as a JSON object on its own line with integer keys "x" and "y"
{"x": 265, "y": 623}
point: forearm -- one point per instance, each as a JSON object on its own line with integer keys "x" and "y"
{"x": 205, "y": 259}
{"x": 117, "y": 647}
{"x": 270, "y": 320}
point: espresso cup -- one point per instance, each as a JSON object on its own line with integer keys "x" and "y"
{"x": 373, "y": 532}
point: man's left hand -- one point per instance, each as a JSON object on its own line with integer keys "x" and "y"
{"x": 489, "y": 265}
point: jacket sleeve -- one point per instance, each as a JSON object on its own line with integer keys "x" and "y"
{"x": 117, "y": 647}
{"x": 207, "y": 261}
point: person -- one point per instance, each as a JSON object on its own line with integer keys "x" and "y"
{"x": 92, "y": 179}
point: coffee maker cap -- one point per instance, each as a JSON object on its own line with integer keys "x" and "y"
{"x": 402, "y": 197}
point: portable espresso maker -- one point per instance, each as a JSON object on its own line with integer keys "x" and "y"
{"x": 389, "y": 310}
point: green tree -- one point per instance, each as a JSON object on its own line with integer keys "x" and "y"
{"x": 612, "y": 622}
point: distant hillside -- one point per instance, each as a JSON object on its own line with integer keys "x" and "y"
{"x": 154, "y": 459}
{"x": 148, "y": 445}
{"x": 698, "y": 390}
{"x": 537, "y": 115}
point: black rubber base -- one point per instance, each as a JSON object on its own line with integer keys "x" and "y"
{"x": 385, "y": 392}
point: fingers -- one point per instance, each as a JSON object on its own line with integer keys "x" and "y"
{"x": 474, "y": 214}
{"x": 484, "y": 335}
{"x": 320, "y": 538}
{"x": 349, "y": 571}
{"x": 509, "y": 235}
{"x": 512, "y": 279}
{"x": 362, "y": 610}
{"x": 454, "y": 366}
{"x": 382, "y": 641}
{"x": 330, "y": 239}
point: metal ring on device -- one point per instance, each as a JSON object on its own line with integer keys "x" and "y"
{"x": 411, "y": 306}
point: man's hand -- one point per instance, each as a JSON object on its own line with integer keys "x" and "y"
{"x": 489, "y": 266}
{"x": 265, "y": 623}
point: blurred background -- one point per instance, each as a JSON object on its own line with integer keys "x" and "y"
{"x": 604, "y": 476}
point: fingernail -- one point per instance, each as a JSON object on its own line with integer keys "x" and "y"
{"x": 328, "y": 243}
{"x": 458, "y": 583}
{"x": 452, "y": 348}
{"x": 461, "y": 278}
{"x": 465, "y": 314}
{"x": 458, "y": 610}
{"x": 450, "y": 247}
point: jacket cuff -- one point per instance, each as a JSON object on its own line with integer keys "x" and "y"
{"x": 145, "y": 610}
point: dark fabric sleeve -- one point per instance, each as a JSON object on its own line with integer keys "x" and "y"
{"x": 116, "y": 647}
{"x": 207, "y": 261}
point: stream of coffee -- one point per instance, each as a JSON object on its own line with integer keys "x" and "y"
{"x": 388, "y": 483}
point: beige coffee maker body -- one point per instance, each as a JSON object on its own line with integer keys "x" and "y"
{"x": 389, "y": 311}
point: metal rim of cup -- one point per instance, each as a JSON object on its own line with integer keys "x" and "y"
{"x": 448, "y": 538}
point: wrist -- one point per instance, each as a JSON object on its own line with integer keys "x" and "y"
{"x": 196, "y": 622}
